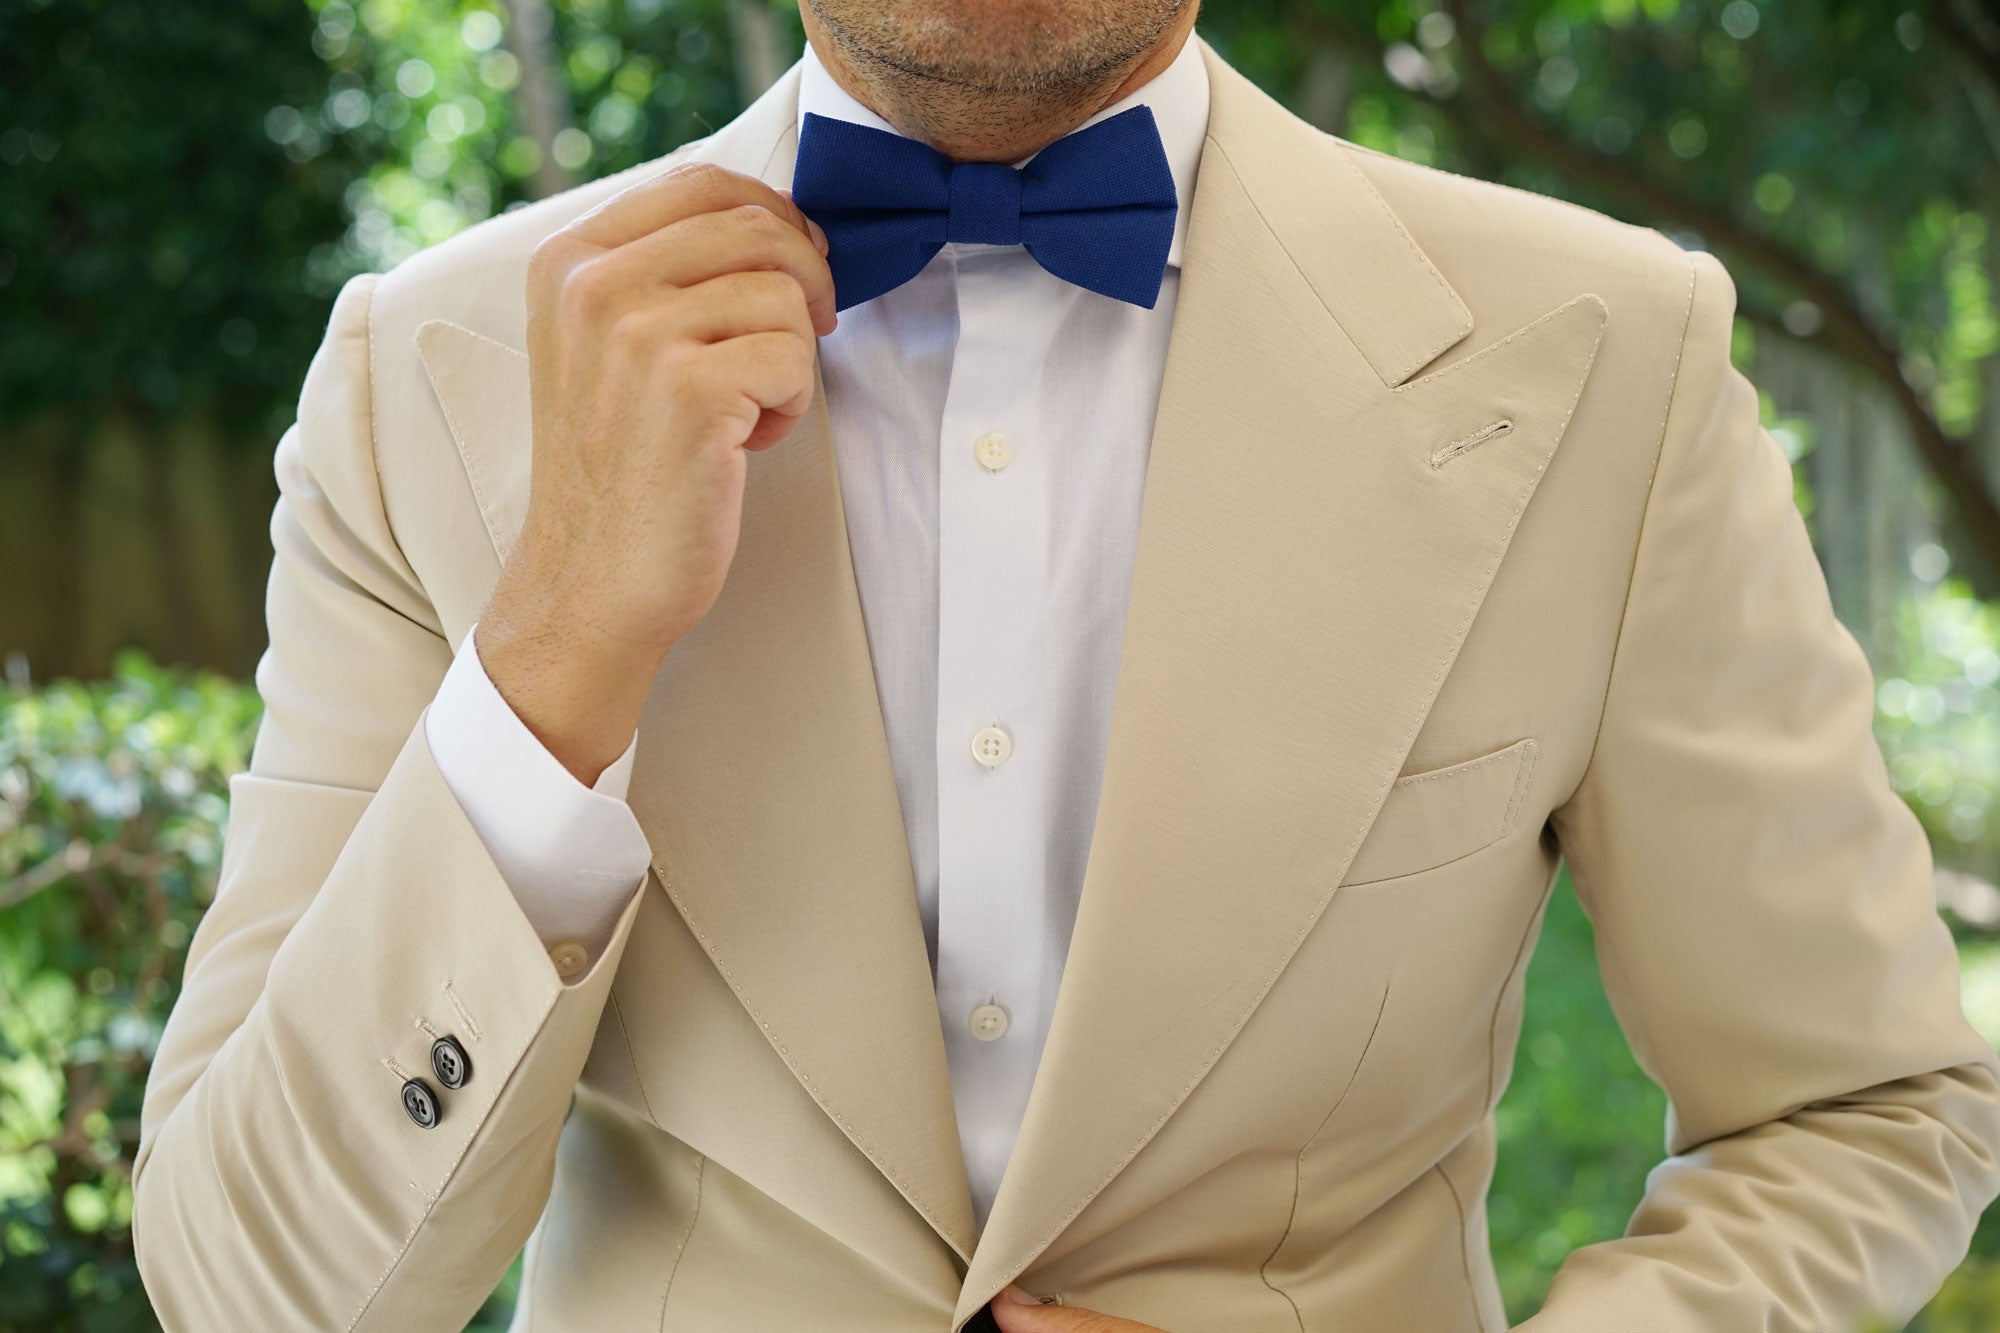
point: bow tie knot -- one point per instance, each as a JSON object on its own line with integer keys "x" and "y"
{"x": 985, "y": 204}
{"x": 1095, "y": 208}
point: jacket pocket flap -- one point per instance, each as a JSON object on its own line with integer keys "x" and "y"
{"x": 1438, "y": 816}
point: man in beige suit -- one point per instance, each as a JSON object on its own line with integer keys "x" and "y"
{"x": 1461, "y": 554}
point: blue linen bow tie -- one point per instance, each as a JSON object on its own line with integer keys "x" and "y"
{"x": 1095, "y": 208}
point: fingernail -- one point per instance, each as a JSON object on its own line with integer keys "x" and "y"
{"x": 1015, "y": 1296}
{"x": 819, "y": 237}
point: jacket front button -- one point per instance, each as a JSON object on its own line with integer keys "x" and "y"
{"x": 450, "y": 1062}
{"x": 421, "y": 1103}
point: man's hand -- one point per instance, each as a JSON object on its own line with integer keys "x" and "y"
{"x": 670, "y": 329}
{"x": 1018, "y": 1312}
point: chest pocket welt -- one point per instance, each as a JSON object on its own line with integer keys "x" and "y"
{"x": 1437, "y": 816}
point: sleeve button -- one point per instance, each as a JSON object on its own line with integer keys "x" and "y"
{"x": 450, "y": 1062}
{"x": 421, "y": 1103}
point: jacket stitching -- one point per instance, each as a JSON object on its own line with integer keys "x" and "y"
{"x": 1463, "y": 326}
{"x": 1464, "y": 1246}
{"x": 625, "y": 1035}
{"x": 1523, "y": 781}
{"x": 1659, "y": 447}
{"x": 1522, "y": 952}
{"x": 1512, "y": 752}
{"x": 700, "y": 1172}
{"x": 1298, "y": 1162}
{"x": 1470, "y": 442}
{"x": 374, "y": 378}
{"x": 464, "y": 1014}
{"x": 1518, "y": 334}
{"x": 1521, "y": 955}
{"x": 458, "y": 1158}
{"x": 375, "y": 440}
{"x": 463, "y": 438}
{"x": 1462, "y": 329}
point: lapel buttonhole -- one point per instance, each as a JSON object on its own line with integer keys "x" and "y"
{"x": 1472, "y": 441}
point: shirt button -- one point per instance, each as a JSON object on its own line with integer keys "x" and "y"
{"x": 988, "y": 1022}
{"x": 993, "y": 450}
{"x": 991, "y": 746}
{"x": 450, "y": 1062}
{"x": 569, "y": 958}
{"x": 421, "y": 1103}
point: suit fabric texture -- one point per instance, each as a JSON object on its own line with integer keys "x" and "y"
{"x": 1462, "y": 554}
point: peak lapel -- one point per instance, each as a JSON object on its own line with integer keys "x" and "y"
{"x": 1304, "y": 577}
{"x": 762, "y": 776}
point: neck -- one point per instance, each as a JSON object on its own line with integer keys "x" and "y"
{"x": 983, "y": 124}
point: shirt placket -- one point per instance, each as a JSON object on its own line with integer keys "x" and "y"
{"x": 993, "y": 747}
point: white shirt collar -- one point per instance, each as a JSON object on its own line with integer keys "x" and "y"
{"x": 1178, "y": 96}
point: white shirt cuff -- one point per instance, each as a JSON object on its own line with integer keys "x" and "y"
{"x": 573, "y": 855}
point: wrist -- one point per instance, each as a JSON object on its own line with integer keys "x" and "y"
{"x": 578, "y": 690}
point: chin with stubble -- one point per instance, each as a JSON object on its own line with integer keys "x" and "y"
{"x": 993, "y": 80}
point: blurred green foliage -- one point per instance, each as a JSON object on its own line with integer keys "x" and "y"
{"x": 187, "y": 184}
{"x": 112, "y": 801}
{"x": 425, "y": 88}
{"x": 1938, "y": 718}
{"x": 158, "y": 252}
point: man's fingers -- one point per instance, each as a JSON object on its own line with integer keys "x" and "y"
{"x": 773, "y": 370}
{"x": 680, "y": 228}
{"x": 1014, "y": 1318}
{"x": 745, "y": 237}
{"x": 678, "y": 193}
{"x": 733, "y": 304}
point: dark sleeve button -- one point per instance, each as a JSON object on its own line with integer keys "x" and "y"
{"x": 421, "y": 1103}
{"x": 450, "y": 1062}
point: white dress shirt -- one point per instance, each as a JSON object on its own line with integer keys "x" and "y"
{"x": 991, "y": 425}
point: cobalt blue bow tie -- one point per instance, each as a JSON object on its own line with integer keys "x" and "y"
{"x": 1095, "y": 208}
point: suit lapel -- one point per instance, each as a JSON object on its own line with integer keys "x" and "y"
{"x": 762, "y": 776}
{"x": 764, "y": 784}
{"x": 1304, "y": 577}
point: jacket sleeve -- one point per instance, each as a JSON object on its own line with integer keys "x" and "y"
{"x": 1765, "y": 922}
{"x": 279, "y": 1182}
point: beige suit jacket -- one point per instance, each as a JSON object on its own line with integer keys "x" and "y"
{"x": 1462, "y": 553}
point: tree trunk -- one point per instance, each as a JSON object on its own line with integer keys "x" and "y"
{"x": 762, "y": 54}
{"x": 539, "y": 99}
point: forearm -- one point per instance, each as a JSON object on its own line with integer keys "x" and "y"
{"x": 1842, "y": 1217}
